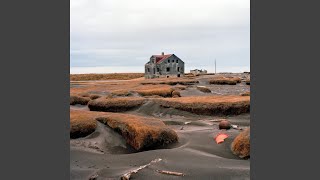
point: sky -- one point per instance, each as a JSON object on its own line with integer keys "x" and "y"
{"x": 108, "y": 36}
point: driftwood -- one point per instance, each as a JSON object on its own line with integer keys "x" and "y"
{"x": 170, "y": 173}
{"x": 127, "y": 175}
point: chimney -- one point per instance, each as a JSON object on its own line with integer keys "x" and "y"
{"x": 162, "y": 53}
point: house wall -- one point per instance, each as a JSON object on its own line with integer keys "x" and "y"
{"x": 160, "y": 70}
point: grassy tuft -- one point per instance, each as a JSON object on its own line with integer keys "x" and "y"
{"x": 241, "y": 144}
{"x": 74, "y": 99}
{"x": 115, "y": 104}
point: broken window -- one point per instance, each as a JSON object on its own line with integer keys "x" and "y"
{"x": 177, "y": 61}
{"x": 178, "y": 68}
{"x": 168, "y": 60}
{"x": 148, "y": 69}
{"x": 168, "y": 69}
{"x": 158, "y": 69}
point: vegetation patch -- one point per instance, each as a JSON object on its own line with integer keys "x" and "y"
{"x": 115, "y": 104}
{"x": 94, "y": 96}
{"x": 112, "y": 76}
{"x": 140, "y": 132}
{"x": 208, "y": 105}
{"x": 204, "y": 89}
{"x": 224, "y": 81}
{"x": 241, "y": 144}
{"x": 245, "y": 94}
{"x": 161, "y": 91}
{"x": 82, "y": 123}
{"x": 75, "y": 99}
{"x": 176, "y": 93}
{"x": 121, "y": 93}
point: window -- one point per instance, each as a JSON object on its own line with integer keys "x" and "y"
{"x": 177, "y": 61}
{"x": 168, "y": 60}
{"x": 168, "y": 69}
{"x": 172, "y": 60}
{"x": 158, "y": 70}
{"x": 148, "y": 69}
{"x": 154, "y": 70}
{"x": 178, "y": 68}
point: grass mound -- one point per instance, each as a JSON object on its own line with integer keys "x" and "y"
{"x": 208, "y": 105}
{"x": 115, "y": 104}
{"x": 74, "y": 99}
{"x": 81, "y": 124}
{"x": 176, "y": 93}
{"x": 121, "y": 93}
{"x": 224, "y": 80}
{"x": 204, "y": 89}
{"x": 94, "y": 96}
{"x": 113, "y": 76}
{"x": 160, "y": 91}
{"x": 241, "y": 144}
{"x": 140, "y": 132}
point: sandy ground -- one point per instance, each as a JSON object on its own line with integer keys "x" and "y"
{"x": 106, "y": 154}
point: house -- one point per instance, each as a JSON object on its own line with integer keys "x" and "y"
{"x": 164, "y": 65}
{"x": 198, "y": 71}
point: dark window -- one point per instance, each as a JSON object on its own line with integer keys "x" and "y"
{"x": 158, "y": 70}
{"x": 168, "y": 60}
{"x": 177, "y": 61}
{"x": 168, "y": 69}
{"x": 178, "y": 68}
{"x": 148, "y": 69}
{"x": 154, "y": 70}
{"x": 172, "y": 60}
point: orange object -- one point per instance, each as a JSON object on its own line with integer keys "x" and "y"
{"x": 220, "y": 138}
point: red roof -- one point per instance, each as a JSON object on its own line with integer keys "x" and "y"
{"x": 160, "y": 58}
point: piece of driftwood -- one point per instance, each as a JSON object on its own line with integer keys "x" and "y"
{"x": 170, "y": 173}
{"x": 127, "y": 175}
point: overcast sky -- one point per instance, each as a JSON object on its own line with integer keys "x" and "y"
{"x": 121, "y": 35}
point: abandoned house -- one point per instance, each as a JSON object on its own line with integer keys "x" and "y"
{"x": 164, "y": 65}
{"x": 198, "y": 71}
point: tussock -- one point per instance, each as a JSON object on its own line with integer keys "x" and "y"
{"x": 224, "y": 80}
{"x": 81, "y": 124}
{"x": 208, "y": 105}
{"x": 113, "y": 76}
{"x": 176, "y": 93}
{"x": 161, "y": 91}
{"x": 115, "y": 104}
{"x": 140, "y": 132}
{"x": 241, "y": 144}
{"x": 74, "y": 99}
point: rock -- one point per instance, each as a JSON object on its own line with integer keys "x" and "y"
{"x": 224, "y": 124}
{"x": 204, "y": 89}
{"x": 241, "y": 144}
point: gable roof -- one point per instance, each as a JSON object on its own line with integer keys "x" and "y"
{"x": 160, "y": 58}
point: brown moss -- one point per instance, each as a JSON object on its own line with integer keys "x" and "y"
{"x": 74, "y": 99}
{"x": 81, "y": 124}
{"x": 204, "y": 89}
{"x": 241, "y": 144}
{"x": 208, "y": 105}
{"x": 140, "y": 132}
{"x": 115, "y": 104}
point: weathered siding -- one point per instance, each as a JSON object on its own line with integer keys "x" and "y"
{"x": 160, "y": 70}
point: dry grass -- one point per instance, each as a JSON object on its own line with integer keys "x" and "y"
{"x": 113, "y": 76}
{"x": 82, "y": 123}
{"x": 241, "y": 144}
{"x": 160, "y": 91}
{"x": 121, "y": 93}
{"x": 115, "y": 104}
{"x": 208, "y": 105}
{"x": 245, "y": 94}
{"x": 74, "y": 99}
{"x": 204, "y": 89}
{"x": 224, "y": 80}
{"x": 140, "y": 132}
